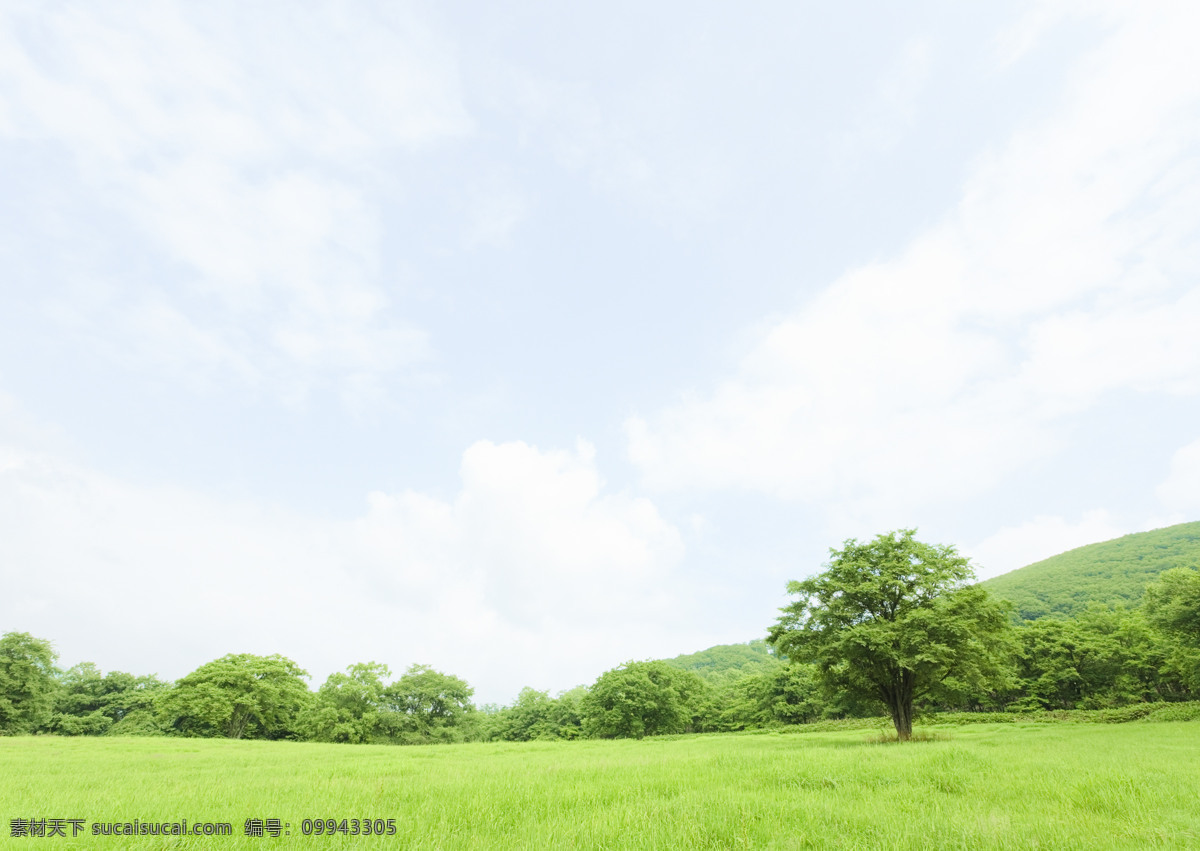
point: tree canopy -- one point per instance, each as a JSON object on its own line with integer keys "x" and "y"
{"x": 894, "y": 620}
{"x": 427, "y": 706}
{"x": 27, "y": 683}
{"x": 537, "y": 715}
{"x": 92, "y": 703}
{"x": 239, "y": 695}
{"x": 1172, "y": 604}
{"x": 642, "y": 699}
{"x": 347, "y": 706}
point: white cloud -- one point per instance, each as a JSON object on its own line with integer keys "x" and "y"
{"x": 530, "y": 530}
{"x": 252, "y": 165}
{"x": 532, "y": 574}
{"x": 1065, "y": 273}
{"x": 1017, "y": 546}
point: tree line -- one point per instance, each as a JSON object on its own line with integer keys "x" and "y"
{"x": 892, "y": 625}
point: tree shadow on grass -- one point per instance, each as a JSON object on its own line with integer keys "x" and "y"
{"x": 918, "y": 736}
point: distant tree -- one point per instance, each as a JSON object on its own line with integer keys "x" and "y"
{"x": 1172, "y": 605}
{"x": 895, "y": 620}
{"x": 1100, "y": 658}
{"x": 77, "y": 707}
{"x": 426, "y": 706}
{"x": 566, "y": 713}
{"x": 347, "y": 706}
{"x": 785, "y": 694}
{"x": 643, "y": 699}
{"x": 537, "y": 715}
{"x": 1061, "y": 665}
{"x": 92, "y": 703}
{"x": 1148, "y": 663}
{"x": 789, "y": 695}
{"x": 236, "y": 696}
{"x": 732, "y": 705}
{"x": 27, "y": 683}
{"x": 528, "y": 718}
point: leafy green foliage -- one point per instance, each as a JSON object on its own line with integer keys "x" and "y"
{"x": 895, "y": 620}
{"x": 426, "y": 706}
{"x": 92, "y": 703}
{"x": 787, "y": 694}
{"x": 1103, "y": 658}
{"x": 1113, "y": 573}
{"x": 236, "y": 696}
{"x": 537, "y": 715}
{"x": 1172, "y": 604}
{"x": 751, "y": 687}
{"x": 347, "y": 706}
{"x": 27, "y": 683}
{"x": 643, "y": 699}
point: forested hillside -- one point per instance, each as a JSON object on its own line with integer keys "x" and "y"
{"x": 1114, "y": 573}
{"x": 725, "y": 663}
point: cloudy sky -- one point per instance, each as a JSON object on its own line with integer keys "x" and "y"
{"x": 525, "y": 339}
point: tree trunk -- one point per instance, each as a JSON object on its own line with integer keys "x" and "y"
{"x": 898, "y": 696}
{"x": 236, "y": 725}
{"x": 902, "y": 719}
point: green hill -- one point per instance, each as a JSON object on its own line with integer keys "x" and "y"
{"x": 1113, "y": 572}
{"x": 726, "y": 662}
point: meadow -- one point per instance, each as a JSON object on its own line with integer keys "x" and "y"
{"x": 983, "y": 786}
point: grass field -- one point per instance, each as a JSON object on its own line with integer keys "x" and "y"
{"x": 1012, "y": 786}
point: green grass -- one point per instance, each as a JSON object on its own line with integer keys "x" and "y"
{"x": 985, "y": 786}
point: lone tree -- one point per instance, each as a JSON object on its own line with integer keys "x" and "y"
{"x": 895, "y": 620}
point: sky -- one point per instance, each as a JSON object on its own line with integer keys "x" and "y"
{"x": 522, "y": 340}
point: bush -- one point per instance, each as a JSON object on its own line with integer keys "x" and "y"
{"x": 1189, "y": 711}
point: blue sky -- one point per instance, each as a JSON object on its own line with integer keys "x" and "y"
{"x": 522, "y": 341}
